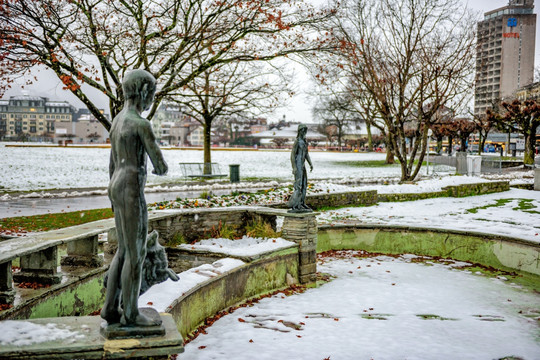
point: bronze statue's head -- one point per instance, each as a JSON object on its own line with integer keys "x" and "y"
{"x": 302, "y": 130}
{"x": 140, "y": 86}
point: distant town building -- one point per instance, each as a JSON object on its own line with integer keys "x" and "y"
{"x": 196, "y": 136}
{"x": 26, "y": 117}
{"x": 166, "y": 115}
{"x": 35, "y": 118}
{"x": 531, "y": 91}
{"x": 505, "y": 53}
{"x": 87, "y": 129}
{"x": 288, "y": 134}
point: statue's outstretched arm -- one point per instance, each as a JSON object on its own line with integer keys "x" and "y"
{"x": 151, "y": 147}
{"x": 309, "y": 160}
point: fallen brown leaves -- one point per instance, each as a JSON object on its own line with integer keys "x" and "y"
{"x": 32, "y": 285}
{"x": 5, "y": 307}
{"x": 95, "y": 313}
{"x": 294, "y": 289}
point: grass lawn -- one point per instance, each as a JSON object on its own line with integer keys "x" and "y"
{"x": 52, "y": 221}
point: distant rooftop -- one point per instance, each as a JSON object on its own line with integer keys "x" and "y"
{"x": 27, "y": 97}
{"x": 288, "y": 132}
{"x": 514, "y": 7}
{"x": 58, "y": 103}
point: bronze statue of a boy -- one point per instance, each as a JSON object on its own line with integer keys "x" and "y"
{"x": 299, "y": 155}
{"x": 131, "y": 139}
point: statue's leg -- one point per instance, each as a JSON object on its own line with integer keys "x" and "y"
{"x": 295, "y": 202}
{"x": 304, "y": 189}
{"x": 135, "y": 234}
{"x": 111, "y": 308}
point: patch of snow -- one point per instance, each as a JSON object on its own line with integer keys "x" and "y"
{"x": 382, "y": 308}
{"x": 426, "y": 185}
{"x": 23, "y": 333}
{"x": 246, "y": 246}
{"x": 162, "y": 296}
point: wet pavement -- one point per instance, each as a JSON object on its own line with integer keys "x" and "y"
{"x": 37, "y": 206}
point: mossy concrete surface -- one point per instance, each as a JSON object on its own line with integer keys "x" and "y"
{"x": 79, "y": 294}
{"x": 232, "y": 288}
{"x": 501, "y": 253}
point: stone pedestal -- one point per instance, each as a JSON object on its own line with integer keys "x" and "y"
{"x": 537, "y": 179}
{"x": 86, "y": 342}
{"x": 112, "y": 242}
{"x": 83, "y": 252}
{"x": 7, "y": 294}
{"x": 302, "y": 229}
{"x": 39, "y": 267}
{"x": 461, "y": 163}
{"x": 118, "y": 331}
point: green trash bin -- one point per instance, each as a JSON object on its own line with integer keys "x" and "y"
{"x": 234, "y": 171}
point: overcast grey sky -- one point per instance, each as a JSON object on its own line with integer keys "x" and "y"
{"x": 300, "y": 106}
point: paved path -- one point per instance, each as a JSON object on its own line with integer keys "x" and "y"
{"x": 37, "y": 206}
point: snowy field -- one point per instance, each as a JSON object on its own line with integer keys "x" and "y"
{"x": 383, "y": 308}
{"x": 27, "y": 168}
{"x": 512, "y": 213}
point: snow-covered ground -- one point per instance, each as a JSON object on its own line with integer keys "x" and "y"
{"x": 512, "y": 213}
{"x": 246, "y": 246}
{"x": 21, "y": 333}
{"x": 162, "y": 296}
{"x": 35, "y": 168}
{"x": 383, "y": 308}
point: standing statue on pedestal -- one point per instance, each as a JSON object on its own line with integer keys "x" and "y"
{"x": 131, "y": 140}
{"x": 299, "y": 155}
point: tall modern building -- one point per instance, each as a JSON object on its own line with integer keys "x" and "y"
{"x": 505, "y": 53}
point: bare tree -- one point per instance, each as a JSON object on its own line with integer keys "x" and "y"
{"x": 230, "y": 89}
{"x": 327, "y": 131}
{"x": 337, "y": 112}
{"x": 95, "y": 42}
{"x": 522, "y": 117}
{"x": 93, "y": 136}
{"x": 279, "y": 142}
{"x": 465, "y": 127}
{"x": 484, "y": 125}
{"x": 412, "y": 57}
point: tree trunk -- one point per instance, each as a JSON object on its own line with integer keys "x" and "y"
{"x": 369, "y": 136}
{"x": 207, "y": 127}
{"x": 530, "y": 142}
{"x": 481, "y": 142}
{"x": 463, "y": 145}
{"x": 450, "y": 141}
{"x": 389, "y": 152}
{"x": 439, "y": 144}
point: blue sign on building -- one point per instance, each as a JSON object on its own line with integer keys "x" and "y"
{"x": 512, "y": 22}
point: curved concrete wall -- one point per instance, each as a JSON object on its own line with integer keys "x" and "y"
{"x": 489, "y": 250}
{"x": 232, "y": 288}
{"x": 269, "y": 273}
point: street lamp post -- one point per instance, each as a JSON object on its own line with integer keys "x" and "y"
{"x": 427, "y": 158}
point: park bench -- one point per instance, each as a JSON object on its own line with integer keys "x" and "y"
{"x": 38, "y": 255}
{"x": 196, "y": 170}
